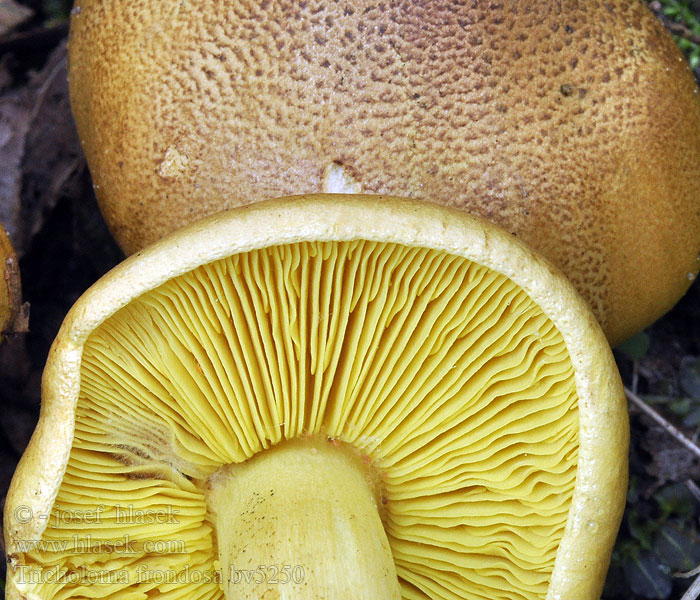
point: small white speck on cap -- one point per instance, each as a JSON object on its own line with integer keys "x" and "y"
{"x": 173, "y": 164}
{"x": 336, "y": 180}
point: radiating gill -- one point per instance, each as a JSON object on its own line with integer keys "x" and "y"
{"x": 445, "y": 374}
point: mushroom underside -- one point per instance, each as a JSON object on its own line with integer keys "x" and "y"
{"x": 445, "y": 378}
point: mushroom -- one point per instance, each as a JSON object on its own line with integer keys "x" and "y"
{"x": 575, "y": 127}
{"x": 328, "y": 396}
{"x": 13, "y": 315}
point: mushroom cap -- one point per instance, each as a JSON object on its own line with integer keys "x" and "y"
{"x": 575, "y": 127}
{"x": 408, "y": 325}
{"x": 10, "y": 287}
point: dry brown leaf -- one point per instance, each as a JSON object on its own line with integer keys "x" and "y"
{"x": 14, "y": 125}
{"x": 39, "y": 150}
{"x": 12, "y": 15}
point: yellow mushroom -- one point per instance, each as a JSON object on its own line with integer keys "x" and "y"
{"x": 574, "y": 125}
{"x": 13, "y": 316}
{"x": 333, "y": 396}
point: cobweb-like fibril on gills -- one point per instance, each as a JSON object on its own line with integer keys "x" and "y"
{"x": 446, "y": 374}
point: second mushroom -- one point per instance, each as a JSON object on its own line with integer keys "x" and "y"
{"x": 288, "y": 401}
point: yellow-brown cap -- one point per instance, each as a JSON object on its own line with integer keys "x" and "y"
{"x": 574, "y": 125}
{"x": 12, "y": 317}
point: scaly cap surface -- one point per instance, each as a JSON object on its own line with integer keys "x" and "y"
{"x": 574, "y": 125}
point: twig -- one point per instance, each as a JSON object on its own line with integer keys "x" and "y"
{"x": 33, "y": 40}
{"x": 46, "y": 84}
{"x": 635, "y": 376}
{"x": 695, "y": 571}
{"x": 682, "y": 30}
{"x": 670, "y": 429}
{"x": 693, "y": 592}
{"x": 693, "y": 487}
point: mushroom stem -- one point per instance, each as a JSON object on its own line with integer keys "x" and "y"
{"x": 301, "y": 520}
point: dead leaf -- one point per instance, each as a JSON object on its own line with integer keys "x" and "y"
{"x": 669, "y": 460}
{"x": 39, "y": 150}
{"x": 13, "y": 15}
{"x": 52, "y": 155}
{"x": 14, "y": 124}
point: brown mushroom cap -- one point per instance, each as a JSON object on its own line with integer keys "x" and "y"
{"x": 10, "y": 288}
{"x": 575, "y": 127}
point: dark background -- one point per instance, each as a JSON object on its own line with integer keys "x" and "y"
{"x": 48, "y": 207}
